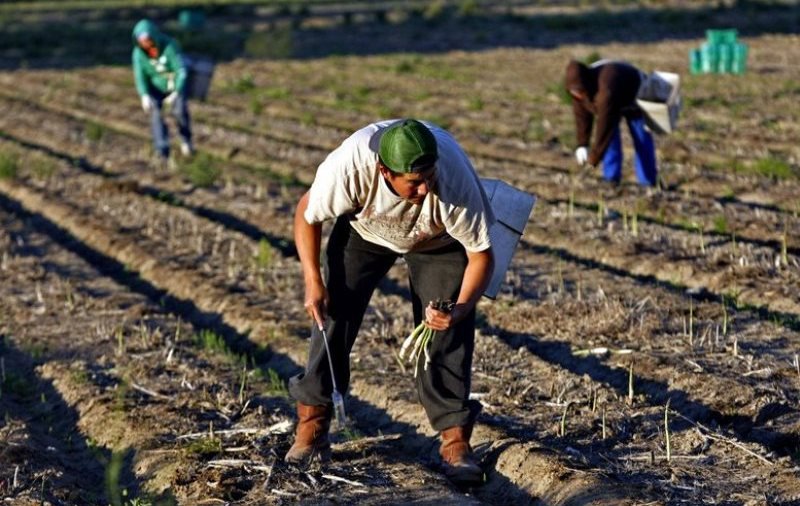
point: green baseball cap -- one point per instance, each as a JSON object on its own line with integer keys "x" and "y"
{"x": 408, "y": 146}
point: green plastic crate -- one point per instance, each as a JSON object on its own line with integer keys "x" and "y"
{"x": 724, "y": 58}
{"x": 726, "y": 36}
{"x": 709, "y": 56}
{"x": 695, "y": 61}
{"x": 739, "y": 58}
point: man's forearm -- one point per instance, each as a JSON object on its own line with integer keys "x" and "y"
{"x": 583, "y": 123}
{"x": 606, "y": 124}
{"x": 476, "y": 277}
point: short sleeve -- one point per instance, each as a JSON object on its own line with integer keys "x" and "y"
{"x": 469, "y": 224}
{"x": 467, "y": 212}
{"x": 336, "y": 189}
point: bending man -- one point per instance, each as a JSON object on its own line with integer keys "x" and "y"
{"x": 395, "y": 189}
{"x": 160, "y": 75}
{"x": 606, "y": 92}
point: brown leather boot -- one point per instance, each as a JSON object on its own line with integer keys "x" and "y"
{"x": 311, "y": 436}
{"x": 457, "y": 458}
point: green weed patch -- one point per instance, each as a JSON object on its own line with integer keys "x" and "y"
{"x": 9, "y": 165}
{"x": 202, "y": 170}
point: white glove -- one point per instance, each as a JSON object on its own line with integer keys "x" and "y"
{"x": 582, "y": 155}
{"x": 147, "y": 103}
{"x": 170, "y": 99}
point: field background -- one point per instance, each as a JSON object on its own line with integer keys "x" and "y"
{"x": 643, "y": 350}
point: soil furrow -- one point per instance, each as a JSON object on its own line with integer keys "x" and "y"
{"x": 487, "y": 92}
{"x": 261, "y": 222}
{"x": 265, "y": 164}
{"x": 217, "y": 114}
{"x": 233, "y": 213}
{"x": 644, "y": 348}
{"x": 746, "y": 274}
{"x": 746, "y": 396}
{"x": 45, "y": 457}
{"x": 704, "y": 370}
{"x": 498, "y": 126}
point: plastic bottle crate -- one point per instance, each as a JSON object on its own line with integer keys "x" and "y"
{"x": 726, "y": 36}
{"x": 739, "y": 58}
{"x": 724, "y": 58}
{"x": 695, "y": 61}
{"x": 709, "y": 55}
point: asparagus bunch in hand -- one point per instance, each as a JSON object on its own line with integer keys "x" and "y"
{"x": 418, "y": 342}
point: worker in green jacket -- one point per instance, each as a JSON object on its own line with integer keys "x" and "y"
{"x": 160, "y": 75}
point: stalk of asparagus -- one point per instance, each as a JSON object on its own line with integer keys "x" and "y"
{"x": 418, "y": 342}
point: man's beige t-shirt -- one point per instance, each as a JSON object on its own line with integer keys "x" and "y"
{"x": 349, "y": 182}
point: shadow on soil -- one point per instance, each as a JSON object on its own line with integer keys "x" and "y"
{"x": 658, "y": 393}
{"x": 55, "y": 38}
{"x": 228, "y": 220}
{"x": 718, "y": 238}
{"x": 588, "y": 456}
{"x": 57, "y": 464}
{"x": 787, "y": 320}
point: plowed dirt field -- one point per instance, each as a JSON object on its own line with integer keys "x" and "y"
{"x": 643, "y": 350}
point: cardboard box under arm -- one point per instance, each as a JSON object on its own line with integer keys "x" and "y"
{"x": 660, "y": 99}
{"x": 512, "y": 209}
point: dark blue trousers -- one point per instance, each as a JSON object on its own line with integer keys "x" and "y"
{"x": 644, "y": 159}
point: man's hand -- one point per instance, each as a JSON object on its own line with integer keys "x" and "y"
{"x": 439, "y": 320}
{"x": 316, "y": 302}
{"x": 582, "y": 155}
{"x": 147, "y": 103}
{"x": 476, "y": 277}
{"x": 170, "y": 99}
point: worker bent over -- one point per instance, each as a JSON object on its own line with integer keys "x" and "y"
{"x": 604, "y": 93}
{"x": 396, "y": 189}
{"x": 160, "y": 74}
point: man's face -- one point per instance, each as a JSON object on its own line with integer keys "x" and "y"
{"x": 412, "y": 187}
{"x": 148, "y": 45}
